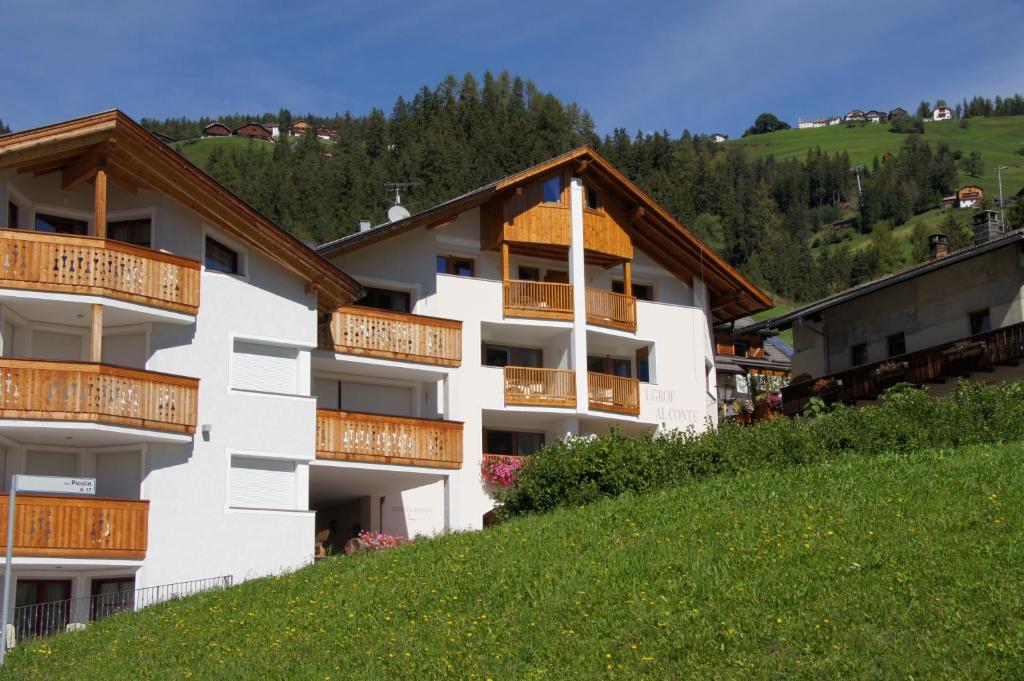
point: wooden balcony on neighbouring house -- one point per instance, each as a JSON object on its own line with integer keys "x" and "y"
{"x": 65, "y": 263}
{"x": 377, "y": 438}
{"x": 540, "y": 387}
{"x": 548, "y": 300}
{"x": 100, "y": 393}
{"x": 978, "y": 353}
{"x": 614, "y": 310}
{"x": 618, "y": 394}
{"x": 78, "y": 527}
{"x": 393, "y": 335}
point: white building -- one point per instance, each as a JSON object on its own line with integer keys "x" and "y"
{"x": 210, "y": 372}
{"x": 941, "y": 113}
{"x": 718, "y": 138}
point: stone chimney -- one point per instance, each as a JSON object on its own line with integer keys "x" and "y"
{"x": 364, "y": 225}
{"x": 987, "y": 226}
{"x": 938, "y": 245}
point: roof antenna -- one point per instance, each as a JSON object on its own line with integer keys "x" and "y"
{"x": 398, "y": 211}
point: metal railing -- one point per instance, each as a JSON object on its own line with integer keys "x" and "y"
{"x": 46, "y": 619}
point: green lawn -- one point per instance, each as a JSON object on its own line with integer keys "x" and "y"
{"x": 996, "y": 139}
{"x": 198, "y": 150}
{"x": 781, "y": 307}
{"x": 865, "y": 568}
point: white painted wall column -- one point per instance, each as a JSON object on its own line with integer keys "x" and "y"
{"x": 451, "y": 502}
{"x": 578, "y": 279}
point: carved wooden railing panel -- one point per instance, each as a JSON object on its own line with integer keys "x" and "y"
{"x": 393, "y": 335}
{"x": 607, "y": 308}
{"x": 544, "y": 387}
{"x": 67, "y": 263}
{"x": 980, "y": 352}
{"x": 377, "y": 438}
{"x": 82, "y": 391}
{"x": 613, "y": 393}
{"x": 538, "y": 299}
{"x": 77, "y": 527}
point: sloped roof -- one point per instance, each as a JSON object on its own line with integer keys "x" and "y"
{"x": 655, "y": 232}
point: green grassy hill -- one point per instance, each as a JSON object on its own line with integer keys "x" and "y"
{"x": 884, "y": 567}
{"x": 998, "y": 140}
{"x": 198, "y": 150}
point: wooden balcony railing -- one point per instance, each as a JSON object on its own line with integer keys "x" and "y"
{"x": 538, "y": 299}
{"x": 77, "y": 527}
{"x": 101, "y": 393}
{"x": 545, "y": 387}
{"x": 613, "y": 393}
{"x": 393, "y": 335}
{"x": 66, "y": 263}
{"x": 981, "y": 352}
{"x": 376, "y": 438}
{"x": 607, "y": 308}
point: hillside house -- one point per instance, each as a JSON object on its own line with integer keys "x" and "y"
{"x": 941, "y": 113}
{"x": 959, "y": 314}
{"x": 718, "y": 137}
{"x": 751, "y": 369}
{"x": 274, "y": 128}
{"x": 875, "y": 116}
{"x": 299, "y": 128}
{"x": 969, "y": 196}
{"x": 254, "y": 131}
{"x": 854, "y": 116}
{"x": 897, "y": 113}
{"x": 328, "y": 134}
{"x": 216, "y": 130}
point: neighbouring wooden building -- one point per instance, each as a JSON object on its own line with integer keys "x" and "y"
{"x": 969, "y": 195}
{"x": 254, "y": 131}
{"x": 216, "y": 130}
{"x": 299, "y": 128}
{"x": 854, "y": 116}
{"x": 752, "y": 369}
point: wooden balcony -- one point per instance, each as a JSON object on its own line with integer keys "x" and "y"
{"x": 64, "y": 263}
{"x": 98, "y": 393}
{"x": 376, "y": 438}
{"x": 614, "y": 310}
{"x": 77, "y": 527}
{"x": 543, "y": 299}
{"x": 613, "y": 393}
{"x": 540, "y": 387}
{"x": 393, "y": 335}
{"x": 979, "y": 353}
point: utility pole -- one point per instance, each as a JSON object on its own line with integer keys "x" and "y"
{"x": 1002, "y": 209}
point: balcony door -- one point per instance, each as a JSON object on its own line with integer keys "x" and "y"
{"x": 614, "y": 366}
{"x": 41, "y": 606}
{"x": 508, "y": 355}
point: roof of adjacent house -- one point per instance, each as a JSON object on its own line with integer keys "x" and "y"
{"x": 134, "y": 158}
{"x": 655, "y": 232}
{"x": 785, "y": 320}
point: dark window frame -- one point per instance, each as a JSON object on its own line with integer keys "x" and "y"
{"x": 592, "y": 199}
{"x": 544, "y": 189}
{"x": 858, "y": 354}
{"x": 376, "y": 297}
{"x": 113, "y": 225}
{"x": 643, "y": 365}
{"x": 611, "y": 366}
{"x": 896, "y": 344}
{"x": 511, "y": 352}
{"x": 234, "y": 267}
{"x": 57, "y": 221}
{"x": 979, "y": 321}
{"x": 529, "y": 269}
{"x": 13, "y": 215}
{"x": 450, "y": 265}
{"x": 640, "y": 290}
{"x": 737, "y": 345}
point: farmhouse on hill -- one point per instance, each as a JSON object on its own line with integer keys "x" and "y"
{"x": 254, "y": 131}
{"x": 854, "y": 116}
{"x": 969, "y": 196}
{"x": 941, "y": 113}
{"x": 718, "y": 137}
{"x": 897, "y": 112}
{"x": 216, "y": 130}
{"x": 875, "y": 116}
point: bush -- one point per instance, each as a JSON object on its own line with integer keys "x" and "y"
{"x": 907, "y": 419}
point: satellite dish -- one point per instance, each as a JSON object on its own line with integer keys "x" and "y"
{"x": 397, "y": 212}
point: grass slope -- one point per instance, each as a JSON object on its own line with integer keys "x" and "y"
{"x": 198, "y": 150}
{"x": 996, "y": 139}
{"x": 881, "y": 567}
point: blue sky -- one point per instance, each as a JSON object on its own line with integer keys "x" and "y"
{"x": 708, "y": 66}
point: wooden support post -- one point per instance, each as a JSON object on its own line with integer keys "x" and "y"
{"x": 96, "y": 334}
{"x": 627, "y": 278}
{"x": 504, "y": 261}
{"x": 100, "y": 214}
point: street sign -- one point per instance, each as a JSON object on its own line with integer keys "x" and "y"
{"x": 52, "y": 484}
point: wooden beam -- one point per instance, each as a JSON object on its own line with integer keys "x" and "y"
{"x": 84, "y": 168}
{"x": 100, "y": 213}
{"x": 504, "y": 261}
{"x": 96, "y": 334}
{"x": 580, "y": 167}
{"x": 627, "y": 278}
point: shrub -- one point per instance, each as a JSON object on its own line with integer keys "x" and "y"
{"x": 907, "y": 419}
{"x": 377, "y": 541}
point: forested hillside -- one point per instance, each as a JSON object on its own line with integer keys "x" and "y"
{"x": 771, "y": 217}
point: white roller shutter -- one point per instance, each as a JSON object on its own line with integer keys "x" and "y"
{"x": 117, "y": 474}
{"x": 60, "y": 346}
{"x": 262, "y": 483}
{"x": 265, "y": 368}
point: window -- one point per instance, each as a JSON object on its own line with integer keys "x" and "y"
{"x": 897, "y": 344}
{"x": 643, "y": 365}
{"x": 614, "y": 366}
{"x": 556, "y": 277}
{"x": 859, "y": 354}
{"x": 640, "y": 291}
{"x": 505, "y": 355}
{"x": 740, "y": 349}
{"x": 60, "y": 225}
{"x": 220, "y": 258}
{"x": 137, "y": 232}
{"x": 459, "y": 267}
{"x": 258, "y": 482}
{"x": 386, "y": 299}
{"x": 265, "y": 368}
{"x": 552, "y": 189}
{"x": 593, "y": 201}
{"x": 512, "y": 443}
{"x": 12, "y": 215}
{"x": 112, "y": 595}
{"x": 529, "y": 273}
{"x": 981, "y": 321}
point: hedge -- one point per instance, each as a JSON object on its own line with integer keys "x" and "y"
{"x": 581, "y": 470}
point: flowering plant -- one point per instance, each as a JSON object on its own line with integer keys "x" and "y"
{"x": 748, "y": 407}
{"x": 376, "y": 541}
{"x": 501, "y": 471}
{"x": 775, "y": 401}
